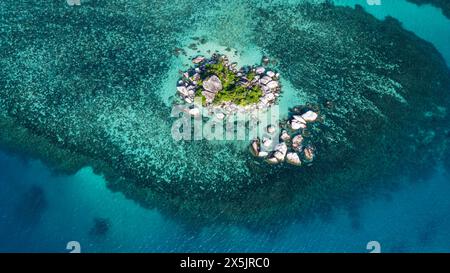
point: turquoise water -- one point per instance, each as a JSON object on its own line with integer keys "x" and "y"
{"x": 41, "y": 211}
{"x": 411, "y": 219}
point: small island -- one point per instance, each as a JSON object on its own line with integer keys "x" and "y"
{"x": 219, "y": 85}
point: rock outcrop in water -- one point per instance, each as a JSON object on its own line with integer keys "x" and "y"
{"x": 220, "y": 87}
{"x": 98, "y": 104}
{"x": 289, "y": 144}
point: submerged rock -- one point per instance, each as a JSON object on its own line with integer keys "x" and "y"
{"x": 309, "y": 154}
{"x": 297, "y": 142}
{"x": 198, "y": 59}
{"x": 74, "y": 2}
{"x": 271, "y": 129}
{"x": 267, "y": 142}
{"x": 255, "y": 147}
{"x": 194, "y": 112}
{"x": 101, "y": 227}
{"x": 220, "y": 116}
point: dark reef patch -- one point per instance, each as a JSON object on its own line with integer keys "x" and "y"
{"x": 31, "y": 206}
{"x": 444, "y": 5}
{"x": 100, "y": 227}
{"x": 79, "y": 87}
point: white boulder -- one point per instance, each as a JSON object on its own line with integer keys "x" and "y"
{"x": 220, "y": 116}
{"x": 270, "y": 97}
{"x": 270, "y": 74}
{"x": 297, "y": 125}
{"x": 271, "y": 129}
{"x": 208, "y": 95}
{"x": 198, "y": 59}
{"x": 260, "y": 70}
{"x": 212, "y": 84}
{"x": 294, "y": 159}
{"x": 282, "y": 147}
{"x": 263, "y": 154}
{"x": 183, "y": 90}
{"x": 285, "y": 136}
{"x": 194, "y": 112}
{"x": 273, "y": 85}
{"x": 310, "y": 116}
{"x": 297, "y": 142}
{"x": 272, "y": 160}
{"x": 265, "y": 80}
{"x": 279, "y": 156}
{"x": 299, "y": 119}
{"x": 267, "y": 142}
{"x": 280, "y": 151}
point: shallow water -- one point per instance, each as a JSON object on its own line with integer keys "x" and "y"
{"x": 40, "y": 211}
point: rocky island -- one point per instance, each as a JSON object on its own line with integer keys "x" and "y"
{"x": 222, "y": 88}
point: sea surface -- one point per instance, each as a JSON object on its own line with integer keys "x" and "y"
{"x": 41, "y": 211}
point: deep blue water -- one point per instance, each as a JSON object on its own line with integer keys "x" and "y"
{"x": 41, "y": 211}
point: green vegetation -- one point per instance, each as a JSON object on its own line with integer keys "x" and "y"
{"x": 251, "y": 75}
{"x": 232, "y": 91}
{"x": 239, "y": 95}
{"x": 226, "y": 76}
{"x": 198, "y": 94}
{"x": 199, "y": 82}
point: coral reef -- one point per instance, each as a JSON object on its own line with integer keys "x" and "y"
{"x": 80, "y": 86}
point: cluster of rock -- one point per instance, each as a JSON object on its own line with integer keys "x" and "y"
{"x": 291, "y": 146}
{"x": 196, "y": 84}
